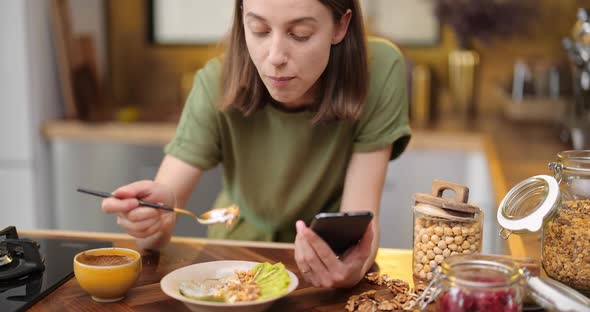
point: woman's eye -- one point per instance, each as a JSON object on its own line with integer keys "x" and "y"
{"x": 260, "y": 33}
{"x": 299, "y": 37}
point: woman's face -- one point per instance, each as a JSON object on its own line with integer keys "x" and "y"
{"x": 289, "y": 42}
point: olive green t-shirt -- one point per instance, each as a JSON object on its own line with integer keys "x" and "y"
{"x": 277, "y": 166}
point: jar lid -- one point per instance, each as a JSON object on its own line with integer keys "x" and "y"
{"x": 555, "y": 296}
{"x": 458, "y": 204}
{"x": 528, "y": 204}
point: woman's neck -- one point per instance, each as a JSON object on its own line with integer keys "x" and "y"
{"x": 288, "y": 109}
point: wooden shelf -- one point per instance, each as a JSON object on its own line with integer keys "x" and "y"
{"x": 140, "y": 133}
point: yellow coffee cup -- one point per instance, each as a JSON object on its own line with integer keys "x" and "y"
{"x": 107, "y": 273}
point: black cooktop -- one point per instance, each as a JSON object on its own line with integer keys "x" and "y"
{"x": 58, "y": 254}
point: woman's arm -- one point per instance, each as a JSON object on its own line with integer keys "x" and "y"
{"x": 180, "y": 177}
{"x": 362, "y": 190}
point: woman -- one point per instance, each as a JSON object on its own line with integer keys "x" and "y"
{"x": 303, "y": 121}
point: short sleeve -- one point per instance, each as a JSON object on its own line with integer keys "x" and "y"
{"x": 197, "y": 139}
{"x": 384, "y": 120}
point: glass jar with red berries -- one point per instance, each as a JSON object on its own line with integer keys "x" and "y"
{"x": 477, "y": 282}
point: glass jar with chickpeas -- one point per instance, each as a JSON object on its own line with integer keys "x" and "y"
{"x": 443, "y": 227}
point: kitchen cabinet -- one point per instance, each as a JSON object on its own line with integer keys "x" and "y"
{"x": 105, "y": 166}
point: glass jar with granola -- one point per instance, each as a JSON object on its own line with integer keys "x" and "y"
{"x": 443, "y": 227}
{"x": 559, "y": 206}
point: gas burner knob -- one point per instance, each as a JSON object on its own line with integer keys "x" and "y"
{"x": 18, "y": 250}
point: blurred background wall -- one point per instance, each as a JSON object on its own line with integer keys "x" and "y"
{"x": 158, "y": 70}
{"x": 38, "y": 177}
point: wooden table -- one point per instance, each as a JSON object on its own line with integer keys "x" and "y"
{"x": 146, "y": 295}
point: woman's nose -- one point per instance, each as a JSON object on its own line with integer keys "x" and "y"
{"x": 277, "y": 54}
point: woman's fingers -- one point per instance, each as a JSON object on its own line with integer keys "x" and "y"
{"x": 143, "y": 213}
{"x": 309, "y": 255}
{"x": 135, "y": 220}
{"x": 304, "y": 268}
{"x": 336, "y": 271}
{"x": 304, "y": 256}
{"x": 139, "y": 229}
{"x": 155, "y": 228}
{"x": 139, "y": 220}
{"x": 139, "y": 189}
{"x": 321, "y": 267}
{"x": 322, "y": 274}
{"x": 114, "y": 205}
{"x": 299, "y": 259}
{"x": 126, "y": 197}
{"x": 324, "y": 252}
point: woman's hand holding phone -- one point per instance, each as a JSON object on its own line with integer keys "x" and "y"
{"x": 321, "y": 267}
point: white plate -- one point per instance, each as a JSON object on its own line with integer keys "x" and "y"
{"x": 217, "y": 269}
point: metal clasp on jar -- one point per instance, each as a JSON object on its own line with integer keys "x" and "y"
{"x": 557, "y": 168}
{"x": 430, "y": 292}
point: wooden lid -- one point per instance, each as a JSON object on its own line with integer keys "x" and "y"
{"x": 459, "y": 203}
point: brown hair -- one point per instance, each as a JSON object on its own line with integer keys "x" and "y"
{"x": 344, "y": 82}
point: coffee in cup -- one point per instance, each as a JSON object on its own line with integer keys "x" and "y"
{"x": 104, "y": 260}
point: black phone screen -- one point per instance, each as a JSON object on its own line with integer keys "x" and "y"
{"x": 341, "y": 230}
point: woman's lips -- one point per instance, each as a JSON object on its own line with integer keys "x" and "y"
{"x": 280, "y": 81}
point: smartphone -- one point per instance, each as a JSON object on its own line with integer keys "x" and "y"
{"x": 341, "y": 230}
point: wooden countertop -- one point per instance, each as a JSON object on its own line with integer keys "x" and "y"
{"x": 514, "y": 151}
{"x": 147, "y": 296}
